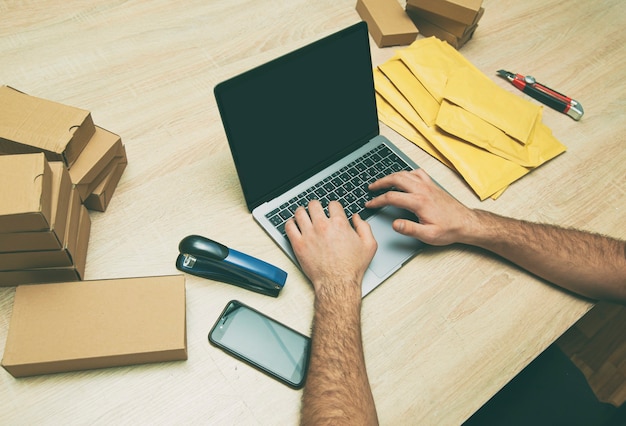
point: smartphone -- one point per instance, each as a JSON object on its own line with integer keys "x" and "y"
{"x": 263, "y": 343}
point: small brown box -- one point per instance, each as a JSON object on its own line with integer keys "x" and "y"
{"x": 458, "y": 29}
{"x": 428, "y": 29}
{"x": 387, "y": 22}
{"x": 49, "y": 239}
{"x": 95, "y": 324}
{"x": 101, "y": 195}
{"x": 464, "y": 11}
{"x": 25, "y": 193}
{"x": 49, "y": 258}
{"x": 75, "y": 272}
{"x": 99, "y": 152}
{"x": 29, "y": 124}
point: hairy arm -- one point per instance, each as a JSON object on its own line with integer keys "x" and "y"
{"x": 589, "y": 264}
{"x": 335, "y": 256}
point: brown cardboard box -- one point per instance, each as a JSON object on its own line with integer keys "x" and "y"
{"x": 39, "y": 276}
{"x": 49, "y": 258}
{"x": 387, "y": 23}
{"x": 95, "y": 324}
{"x": 101, "y": 196}
{"x": 75, "y": 272}
{"x": 51, "y": 239}
{"x": 99, "y": 152}
{"x": 428, "y": 29}
{"x": 25, "y": 193}
{"x": 29, "y": 124}
{"x": 87, "y": 189}
{"x": 458, "y": 29}
{"x": 464, "y": 11}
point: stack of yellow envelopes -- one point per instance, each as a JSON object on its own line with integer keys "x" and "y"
{"x": 433, "y": 96}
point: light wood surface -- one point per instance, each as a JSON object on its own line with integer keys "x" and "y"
{"x": 441, "y": 336}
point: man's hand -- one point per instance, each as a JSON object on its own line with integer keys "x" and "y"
{"x": 334, "y": 256}
{"x": 442, "y": 219}
{"x": 329, "y": 250}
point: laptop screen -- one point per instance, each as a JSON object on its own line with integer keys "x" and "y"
{"x": 289, "y": 118}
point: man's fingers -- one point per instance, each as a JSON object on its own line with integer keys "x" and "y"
{"x": 402, "y": 181}
{"x": 301, "y": 216}
{"x": 316, "y": 211}
{"x": 335, "y": 209}
{"x": 363, "y": 229}
{"x": 401, "y": 200}
{"x": 291, "y": 229}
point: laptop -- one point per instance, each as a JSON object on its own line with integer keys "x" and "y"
{"x": 305, "y": 126}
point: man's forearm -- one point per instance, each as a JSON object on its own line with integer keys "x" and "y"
{"x": 589, "y": 264}
{"x": 337, "y": 389}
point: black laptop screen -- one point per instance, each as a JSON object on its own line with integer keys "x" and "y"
{"x": 289, "y": 118}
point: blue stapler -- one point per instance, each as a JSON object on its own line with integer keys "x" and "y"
{"x": 206, "y": 258}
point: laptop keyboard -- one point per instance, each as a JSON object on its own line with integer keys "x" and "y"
{"x": 348, "y": 186}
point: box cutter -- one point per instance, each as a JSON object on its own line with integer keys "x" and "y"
{"x": 206, "y": 258}
{"x": 544, "y": 94}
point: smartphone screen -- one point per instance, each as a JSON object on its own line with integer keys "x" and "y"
{"x": 262, "y": 342}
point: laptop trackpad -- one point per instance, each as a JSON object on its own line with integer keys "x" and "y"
{"x": 393, "y": 249}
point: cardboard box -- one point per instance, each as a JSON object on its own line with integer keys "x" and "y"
{"x": 387, "y": 22}
{"x": 101, "y": 196}
{"x": 75, "y": 272}
{"x": 95, "y": 324}
{"x": 464, "y": 11}
{"x": 51, "y": 239}
{"x": 25, "y": 193}
{"x": 39, "y": 276}
{"x": 427, "y": 29}
{"x": 29, "y": 124}
{"x": 99, "y": 152}
{"x": 458, "y": 29}
{"x": 87, "y": 189}
{"x": 49, "y": 258}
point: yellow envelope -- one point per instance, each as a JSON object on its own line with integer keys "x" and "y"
{"x": 465, "y": 125}
{"x": 475, "y": 93}
{"x": 486, "y": 173}
{"x": 431, "y": 61}
{"x": 413, "y": 90}
{"x": 398, "y": 123}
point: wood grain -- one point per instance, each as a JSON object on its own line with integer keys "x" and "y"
{"x": 441, "y": 336}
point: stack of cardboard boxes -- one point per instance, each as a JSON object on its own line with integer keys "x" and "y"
{"x": 55, "y": 163}
{"x": 453, "y": 21}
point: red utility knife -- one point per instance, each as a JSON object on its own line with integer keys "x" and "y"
{"x": 544, "y": 94}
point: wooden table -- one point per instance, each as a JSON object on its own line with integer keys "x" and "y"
{"x": 441, "y": 336}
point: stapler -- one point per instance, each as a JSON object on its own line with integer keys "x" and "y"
{"x": 206, "y": 258}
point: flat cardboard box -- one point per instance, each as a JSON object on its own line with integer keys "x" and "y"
{"x": 49, "y": 258}
{"x": 98, "y": 153}
{"x": 95, "y": 324}
{"x": 25, "y": 193}
{"x": 458, "y": 29}
{"x": 464, "y": 11}
{"x": 30, "y": 124}
{"x": 387, "y": 22}
{"x": 75, "y": 272}
{"x": 51, "y": 239}
{"x": 101, "y": 196}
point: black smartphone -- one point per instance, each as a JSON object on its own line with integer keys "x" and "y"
{"x": 262, "y": 342}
